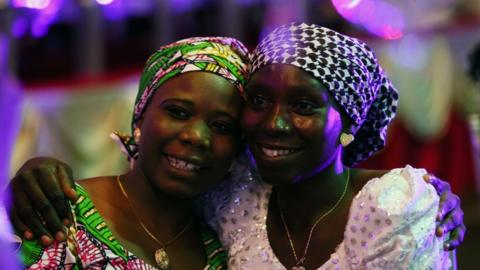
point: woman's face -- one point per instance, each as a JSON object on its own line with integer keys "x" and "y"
{"x": 291, "y": 124}
{"x": 190, "y": 133}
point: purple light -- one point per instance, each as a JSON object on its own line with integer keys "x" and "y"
{"x": 113, "y": 11}
{"x": 37, "y": 19}
{"x": 19, "y": 27}
{"x": 34, "y": 4}
{"x": 378, "y": 17}
{"x": 10, "y": 113}
{"x": 40, "y": 27}
{"x": 181, "y": 6}
{"x": 388, "y": 21}
{"x": 104, "y": 2}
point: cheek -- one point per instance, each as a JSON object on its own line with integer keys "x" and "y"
{"x": 322, "y": 129}
{"x": 303, "y": 123}
{"x": 333, "y": 123}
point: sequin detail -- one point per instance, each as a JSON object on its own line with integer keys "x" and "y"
{"x": 406, "y": 241}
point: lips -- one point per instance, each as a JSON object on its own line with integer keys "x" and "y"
{"x": 186, "y": 164}
{"x": 277, "y": 151}
{"x": 182, "y": 164}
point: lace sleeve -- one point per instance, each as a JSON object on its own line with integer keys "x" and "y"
{"x": 211, "y": 205}
{"x": 392, "y": 224}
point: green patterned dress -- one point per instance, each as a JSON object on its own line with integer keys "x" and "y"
{"x": 91, "y": 245}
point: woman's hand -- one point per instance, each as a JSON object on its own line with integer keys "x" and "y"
{"x": 450, "y": 215}
{"x": 39, "y": 206}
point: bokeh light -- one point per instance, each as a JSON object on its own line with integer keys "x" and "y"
{"x": 378, "y": 17}
{"x": 34, "y": 4}
{"x": 104, "y": 2}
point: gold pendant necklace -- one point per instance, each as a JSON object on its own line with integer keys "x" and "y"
{"x": 161, "y": 256}
{"x": 300, "y": 261}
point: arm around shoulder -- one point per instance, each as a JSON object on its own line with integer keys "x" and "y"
{"x": 392, "y": 224}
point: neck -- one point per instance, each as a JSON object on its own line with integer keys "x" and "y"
{"x": 155, "y": 208}
{"x": 310, "y": 197}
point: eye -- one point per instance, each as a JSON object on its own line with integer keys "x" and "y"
{"x": 178, "y": 112}
{"x": 304, "y": 107}
{"x": 223, "y": 127}
{"x": 257, "y": 102}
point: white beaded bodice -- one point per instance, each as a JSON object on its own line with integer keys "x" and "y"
{"x": 391, "y": 224}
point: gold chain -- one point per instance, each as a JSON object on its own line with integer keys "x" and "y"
{"x": 160, "y": 243}
{"x": 292, "y": 246}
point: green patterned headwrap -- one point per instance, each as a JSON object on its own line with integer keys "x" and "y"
{"x": 226, "y": 57}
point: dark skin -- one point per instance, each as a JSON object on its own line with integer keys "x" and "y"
{"x": 59, "y": 183}
{"x": 193, "y": 118}
{"x": 293, "y": 128}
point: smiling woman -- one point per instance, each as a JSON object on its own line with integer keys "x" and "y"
{"x": 311, "y": 91}
{"x": 185, "y": 137}
{"x": 309, "y": 113}
{"x": 179, "y": 127}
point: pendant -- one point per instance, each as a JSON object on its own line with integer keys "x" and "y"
{"x": 298, "y": 268}
{"x": 162, "y": 259}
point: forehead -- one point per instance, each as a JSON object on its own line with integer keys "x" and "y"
{"x": 199, "y": 87}
{"x": 285, "y": 76}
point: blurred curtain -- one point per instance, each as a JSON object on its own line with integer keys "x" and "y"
{"x": 431, "y": 129}
{"x": 73, "y": 124}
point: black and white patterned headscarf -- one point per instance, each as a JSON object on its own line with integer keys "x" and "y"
{"x": 348, "y": 68}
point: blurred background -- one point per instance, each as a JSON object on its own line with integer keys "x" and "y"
{"x": 69, "y": 72}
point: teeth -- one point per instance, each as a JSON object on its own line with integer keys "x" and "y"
{"x": 276, "y": 153}
{"x": 182, "y": 165}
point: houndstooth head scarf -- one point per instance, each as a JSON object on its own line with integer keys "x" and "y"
{"x": 348, "y": 68}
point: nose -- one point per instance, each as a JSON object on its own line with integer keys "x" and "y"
{"x": 197, "y": 134}
{"x": 277, "y": 122}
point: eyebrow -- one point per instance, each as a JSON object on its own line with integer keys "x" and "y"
{"x": 192, "y": 104}
{"x": 257, "y": 84}
{"x": 186, "y": 101}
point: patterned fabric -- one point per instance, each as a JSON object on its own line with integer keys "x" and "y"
{"x": 91, "y": 245}
{"x": 349, "y": 70}
{"x": 226, "y": 57}
{"x": 391, "y": 224}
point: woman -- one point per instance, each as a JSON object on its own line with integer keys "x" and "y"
{"x": 185, "y": 126}
{"x": 317, "y": 103}
{"x": 297, "y": 151}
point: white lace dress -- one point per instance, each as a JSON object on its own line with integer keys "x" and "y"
{"x": 391, "y": 224}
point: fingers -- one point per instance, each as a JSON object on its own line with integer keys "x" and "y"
{"x": 26, "y": 213}
{"x": 456, "y": 238}
{"x": 19, "y": 227}
{"x": 42, "y": 205}
{"x": 54, "y": 192}
{"x": 448, "y": 200}
{"x": 439, "y": 185}
{"x": 453, "y": 220}
{"x": 453, "y": 223}
{"x": 67, "y": 183}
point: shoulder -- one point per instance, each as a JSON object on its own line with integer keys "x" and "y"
{"x": 401, "y": 190}
{"x": 95, "y": 185}
{"x": 391, "y": 223}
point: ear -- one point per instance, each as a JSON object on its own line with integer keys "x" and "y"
{"x": 137, "y": 132}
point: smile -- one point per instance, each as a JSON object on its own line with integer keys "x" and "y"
{"x": 182, "y": 164}
{"x": 277, "y": 152}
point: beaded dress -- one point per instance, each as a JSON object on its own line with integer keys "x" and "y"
{"x": 391, "y": 223}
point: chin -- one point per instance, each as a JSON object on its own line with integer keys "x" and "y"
{"x": 277, "y": 178}
{"x": 179, "y": 191}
